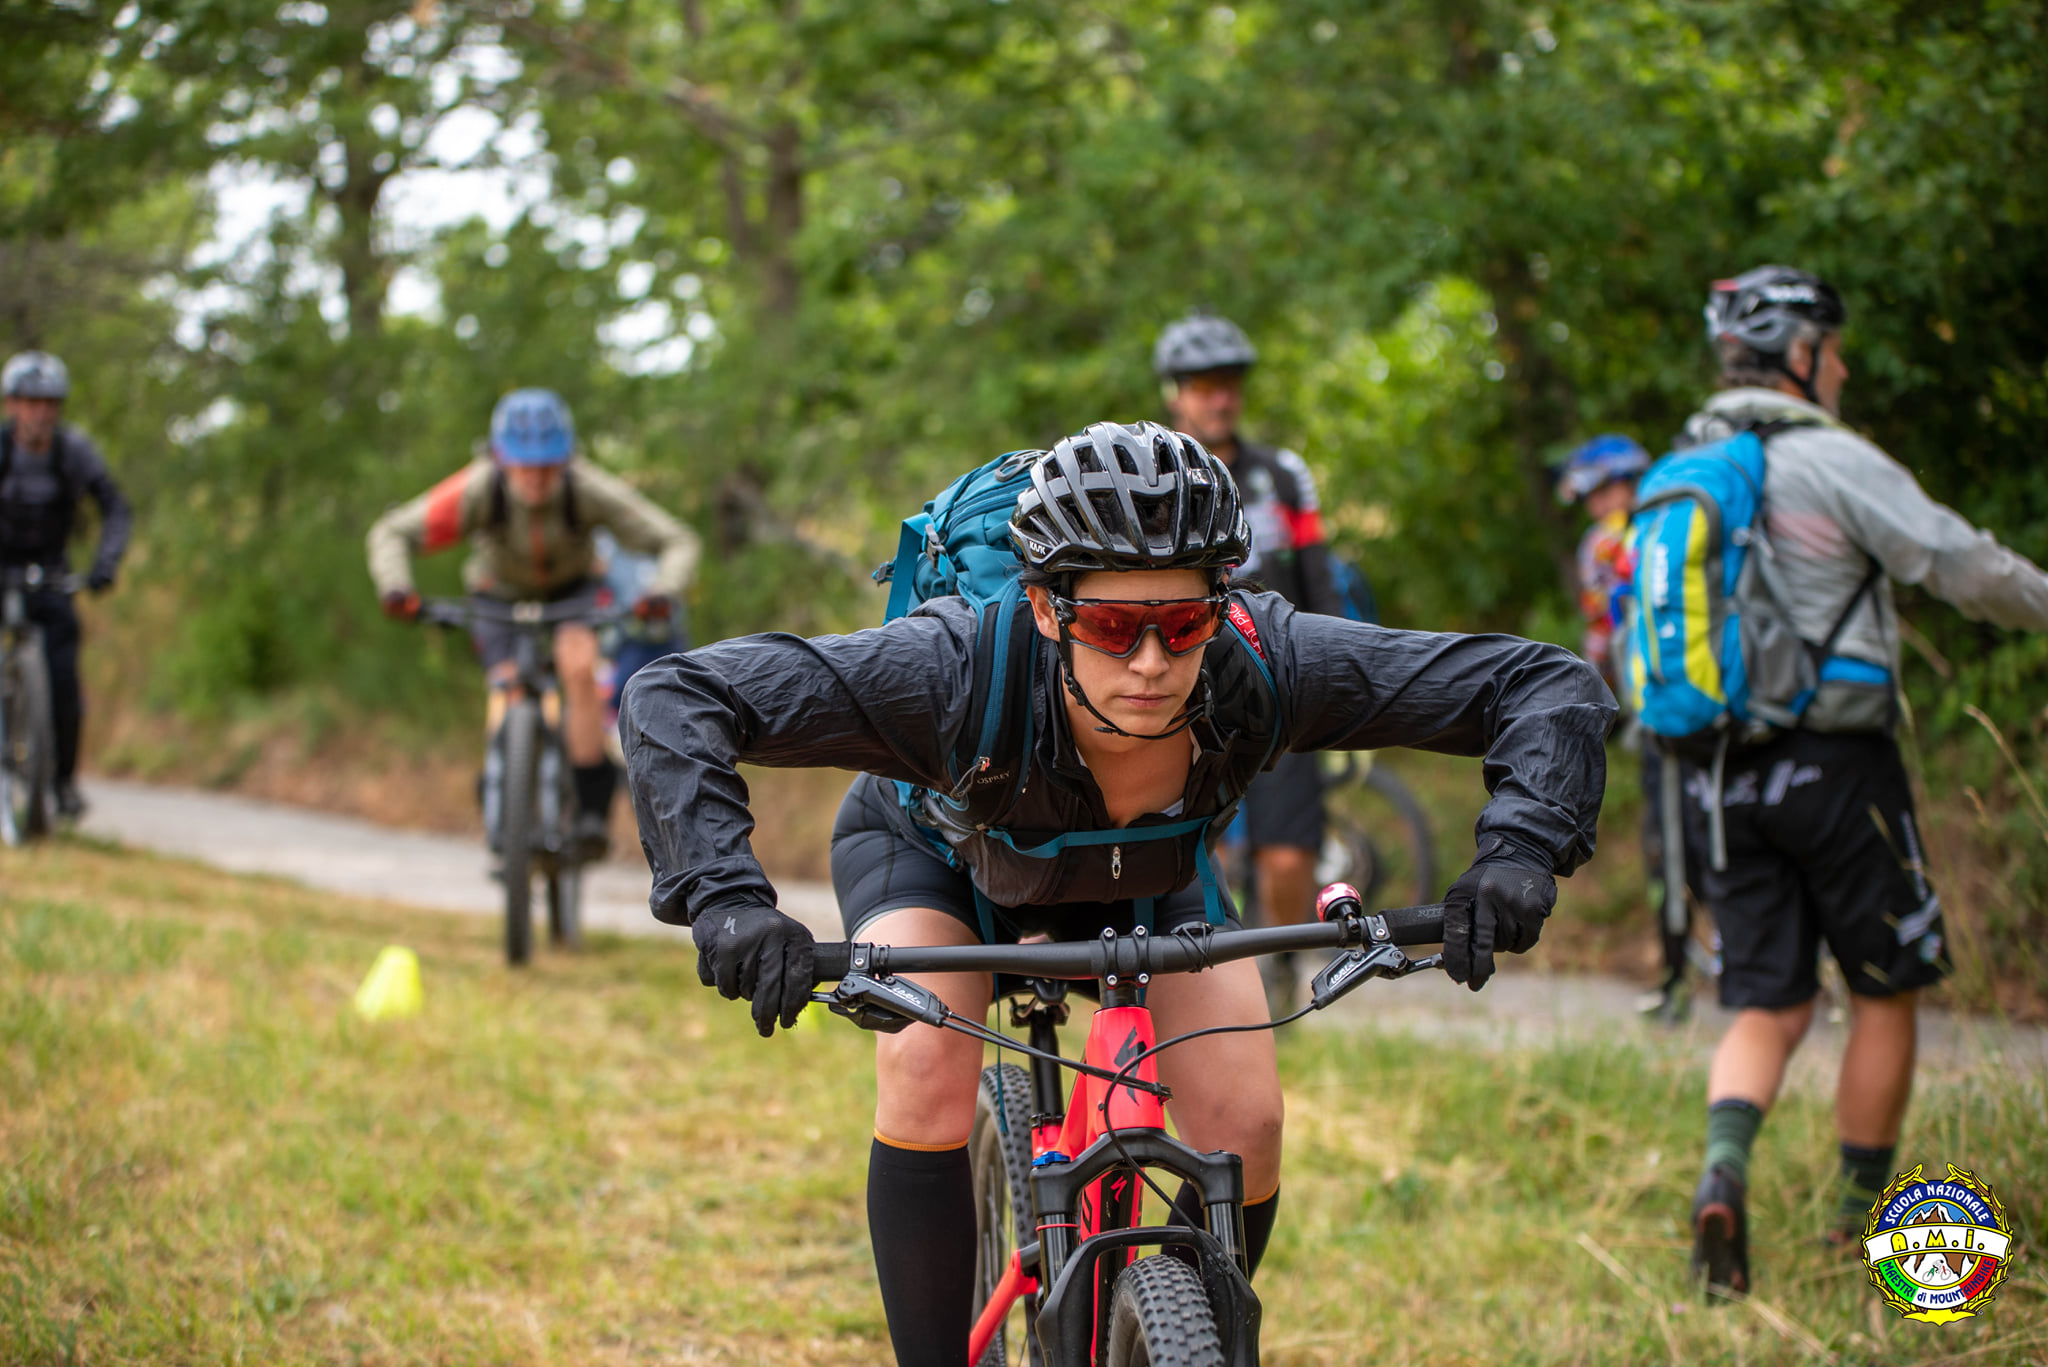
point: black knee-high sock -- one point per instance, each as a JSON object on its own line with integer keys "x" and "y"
{"x": 921, "y": 1222}
{"x": 594, "y": 785}
{"x": 1258, "y": 1220}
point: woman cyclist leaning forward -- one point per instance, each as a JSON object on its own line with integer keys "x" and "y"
{"x": 1128, "y": 535}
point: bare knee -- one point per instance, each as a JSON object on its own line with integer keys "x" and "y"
{"x": 925, "y": 1081}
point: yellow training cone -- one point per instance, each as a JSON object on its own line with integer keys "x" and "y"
{"x": 392, "y": 988}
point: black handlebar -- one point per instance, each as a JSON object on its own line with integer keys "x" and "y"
{"x": 37, "y": 577}
{"x": 460, "y": 612}
{"x": 1129, "y": 956}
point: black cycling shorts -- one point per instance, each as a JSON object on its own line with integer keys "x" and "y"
{"x": 877, "y": 868}
{"x": 1284, "y": 805}
{"x": 1822, "y": 845}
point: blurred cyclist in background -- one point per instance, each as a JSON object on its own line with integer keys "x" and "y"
{"x": 529, "y": 510}
{"x": 1202, "y": 361}
{"x": 45, "y": 467}
{"x": 1603, "y": 475}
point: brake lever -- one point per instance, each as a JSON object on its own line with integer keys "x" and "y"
{"x": 1357, "y": 966}
{"x": 885, "y": 1005}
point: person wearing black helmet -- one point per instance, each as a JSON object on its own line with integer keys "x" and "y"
{"x": 1148, "y": 707}
{"x": 1821, "y": 842}
{"x": 1202, "y": 362}
{"x": 46, "y": 466}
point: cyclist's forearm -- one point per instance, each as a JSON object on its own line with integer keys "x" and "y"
{"x": 1537, "y": 713}
{"x": 676, "y": 569}
{"x": 117, "y": 522}
{"x": 882, "y": 701}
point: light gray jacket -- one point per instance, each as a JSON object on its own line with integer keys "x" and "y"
{"x": 1833, "y": 504}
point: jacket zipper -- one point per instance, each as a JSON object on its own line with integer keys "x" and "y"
{"x": 1116, "y": 861}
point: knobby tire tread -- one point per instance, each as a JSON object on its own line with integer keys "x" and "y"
{"x": 520, "y": 735}
{"x": 31, "y": 740}
{"x": 995, "y": 1155}
{"x": 1160, "y": 1317}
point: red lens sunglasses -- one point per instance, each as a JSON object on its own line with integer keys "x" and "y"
{"x": 1117, "y": 626}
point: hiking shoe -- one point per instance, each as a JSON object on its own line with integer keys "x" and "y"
{"x": 1720, "y": 1234}
{"x": 70, "y": 802}
{"x": 592, "y": 837}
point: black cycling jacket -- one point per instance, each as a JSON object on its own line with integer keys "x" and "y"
{"x": 890, "y": 702}
{"x": 39, "y": 501}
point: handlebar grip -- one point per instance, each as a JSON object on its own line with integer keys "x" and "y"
{"x": 1423, "y": 925}
{"x": 830, "y": 960}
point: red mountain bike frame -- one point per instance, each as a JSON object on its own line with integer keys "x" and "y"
{"x": 1087, "y": 1161}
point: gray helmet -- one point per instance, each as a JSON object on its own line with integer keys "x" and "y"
{"x": 36, "y": 375}
{"x": 1766, "y": 308}
{"x": 1201, "y": 341}
{"x": 1130, "y": 497}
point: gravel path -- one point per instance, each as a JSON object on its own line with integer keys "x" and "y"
{"x": 451, "y": 873}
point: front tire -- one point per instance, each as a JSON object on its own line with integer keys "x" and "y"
{"x": 999, "y": 1151}
{"x": 28, "y": 759}
{"x": 1160, "y": 1317}
{"x": 565, "y": 906}
{"x": 519, "y": 734}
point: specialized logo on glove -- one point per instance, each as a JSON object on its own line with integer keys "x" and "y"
{"x": 1936, "y": 1251}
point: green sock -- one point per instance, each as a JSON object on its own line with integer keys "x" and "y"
{"x": 1865, "y": 1174}
{"x": 1731, "y": 1129}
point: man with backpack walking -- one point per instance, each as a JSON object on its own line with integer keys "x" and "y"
{"x": 1202, "y": 361}
{"x": 46, "y": 467}
{"x": 1811, "y": 828}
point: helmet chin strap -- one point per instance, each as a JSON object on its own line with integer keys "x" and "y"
{"x": 1806, "y": 381}
{"x": 1201, "y": 703}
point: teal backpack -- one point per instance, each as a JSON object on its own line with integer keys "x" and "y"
{"x": 959, "y": 544}
{"x": 1709, "y": 651}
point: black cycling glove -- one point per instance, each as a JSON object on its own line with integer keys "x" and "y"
{"x": 752, "y": 950}
{"x": 100, "y": 580}
{"x": 1493, "y": 907}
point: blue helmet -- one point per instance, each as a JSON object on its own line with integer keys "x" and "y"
{"x": 532, "y": 427}
{"x": 1600, "y": 461}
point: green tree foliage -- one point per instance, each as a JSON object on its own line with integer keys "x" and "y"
{"x": 892, "y": 241}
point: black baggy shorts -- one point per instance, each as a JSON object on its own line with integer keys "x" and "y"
{"x": 878, "y": 867}
{"x": 1284, "y": 805}
{"x": 1823, "y": 845}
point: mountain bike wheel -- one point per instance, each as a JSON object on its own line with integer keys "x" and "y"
{"x": 1160, "y": 1317}
{"x": 519, "y": 734}
{"x": 1381, "y": 841}
{"x": 1411, "y": 833}
{"x": 28, "y": 759}
{"x": 565, "y": 907}
{"x": 999, "y": 1151}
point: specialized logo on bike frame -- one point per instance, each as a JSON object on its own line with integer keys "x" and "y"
{"x": 1937, "y": 1250}
{"x": 1127, "y": 1051}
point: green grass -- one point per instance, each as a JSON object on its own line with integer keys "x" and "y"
{"x": 209, "y": 1159}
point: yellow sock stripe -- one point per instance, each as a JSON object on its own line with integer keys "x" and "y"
{"x": 881, "y": 1138}
{"x": 1261, "y": 1200}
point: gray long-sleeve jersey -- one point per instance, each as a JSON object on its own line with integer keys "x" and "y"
{"x": 1833, "y": 504}
{"x": 891, "y": 702}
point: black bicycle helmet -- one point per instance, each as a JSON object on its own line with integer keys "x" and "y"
{"x": 1766, "y": 308}
{"x": 1199, "y": 342}
{"x": 1130, "y": 497}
